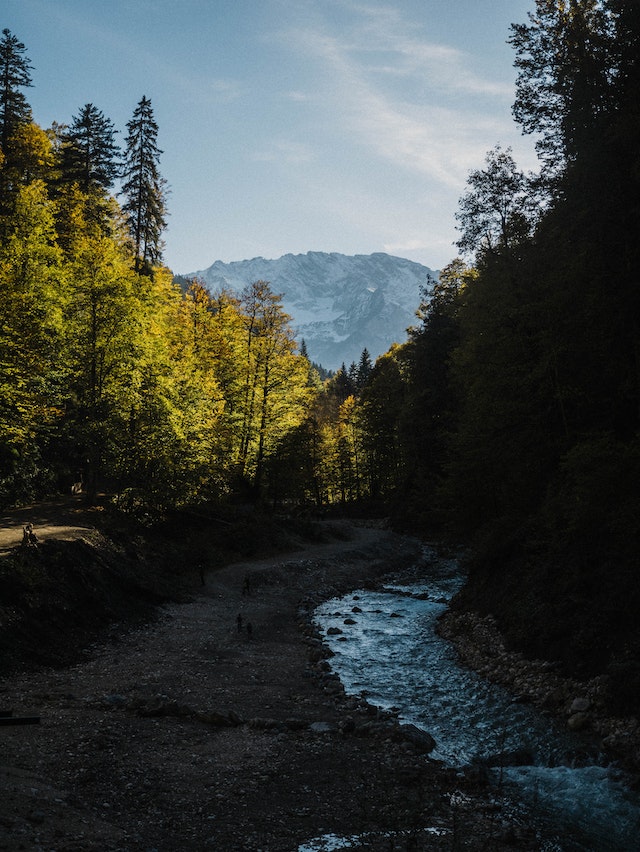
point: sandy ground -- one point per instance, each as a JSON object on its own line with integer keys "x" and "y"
{"x": 61, "y": 519}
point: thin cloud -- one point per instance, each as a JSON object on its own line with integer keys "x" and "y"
{"x": 384, "y": 29}
{"x": 437, "y": 141}
{"x": 408, "y": 125}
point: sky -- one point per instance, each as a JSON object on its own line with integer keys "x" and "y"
{"x": 291, "y": 125}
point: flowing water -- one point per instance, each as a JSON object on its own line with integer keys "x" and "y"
{"x": 389, "y": 652}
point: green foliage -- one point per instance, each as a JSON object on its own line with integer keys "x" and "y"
{"x": 524, "y": 376}
{"x": 380, "y": 401}
{"x": 109, "y": 373}
{"x": 32, "y": 299}
{"x": 564, "y": 58}
{"x": 546, "y": 326}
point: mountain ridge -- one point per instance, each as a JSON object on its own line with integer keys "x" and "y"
{"x": 339, "y": 304}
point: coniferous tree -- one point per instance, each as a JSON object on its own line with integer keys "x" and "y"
{"x": 379, "y": 406}
{"x": 14, "y": 75}
{"x": 90, "y": 156}
{"x": 341, "y": 384}
{"x": 14, "y": 110}
{"x": 364, "y": 369}
{"x": 144, "y": 188}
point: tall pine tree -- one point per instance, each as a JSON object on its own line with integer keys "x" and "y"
{"x": 144, "y": 188}
{"x": 90, "y": 156}
{"x": 14, "y": 75}
{"x": 14, "y": 109}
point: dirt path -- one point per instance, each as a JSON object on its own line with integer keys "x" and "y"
{"x": 66, "y": 518}
{"x": 194, "y": 734}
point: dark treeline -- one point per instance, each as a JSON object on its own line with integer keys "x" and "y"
{"x": 508, "y": 420}
{"x": 518, "y": 409}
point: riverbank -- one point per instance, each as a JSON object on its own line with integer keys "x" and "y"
{"x": 195, "y": 732}
{"x": 583, "y": 705}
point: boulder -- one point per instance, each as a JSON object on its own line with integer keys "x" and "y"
{"x": 419, "y": 739}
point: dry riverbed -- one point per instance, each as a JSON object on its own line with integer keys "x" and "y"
{"x": 194, "y": 732}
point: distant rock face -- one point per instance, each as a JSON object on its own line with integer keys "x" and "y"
{"x": 339, "y": 304}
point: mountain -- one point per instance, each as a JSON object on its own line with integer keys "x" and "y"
{"x": 339, "y": 304}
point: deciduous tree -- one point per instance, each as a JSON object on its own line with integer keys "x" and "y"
{"x": 32, "y": 366}
{"x": 275, "y": 379}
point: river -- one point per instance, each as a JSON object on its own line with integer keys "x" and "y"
{"x": 386, "y": 648}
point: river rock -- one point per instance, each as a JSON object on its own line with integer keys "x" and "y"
{"x": 579, "y": 705}
{"x": 578, "y": 721}
{"x": 419, "y": 739}
{"x": 554, "y": 697}
{"x": 296, "y": 724}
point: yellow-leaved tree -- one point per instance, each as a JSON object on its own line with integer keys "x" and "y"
{"x": 276, "y": 392}
{"x": 33, "y": 294}
{"x": 103, "y": 330}
{"x": 173, "y": 453}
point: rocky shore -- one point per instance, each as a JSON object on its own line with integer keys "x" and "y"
{"x": 583, "y": 705}
{"x": 218, "y": 725}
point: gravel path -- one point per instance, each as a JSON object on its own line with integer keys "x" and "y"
{"x": 194, "y": 733}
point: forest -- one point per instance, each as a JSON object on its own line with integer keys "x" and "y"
{"x": 507, "y": 421}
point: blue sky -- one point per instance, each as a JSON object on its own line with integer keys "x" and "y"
{"x": 291, "y": 125}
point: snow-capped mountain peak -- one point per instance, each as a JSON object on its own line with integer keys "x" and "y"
{"x": 339, "y": 304}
